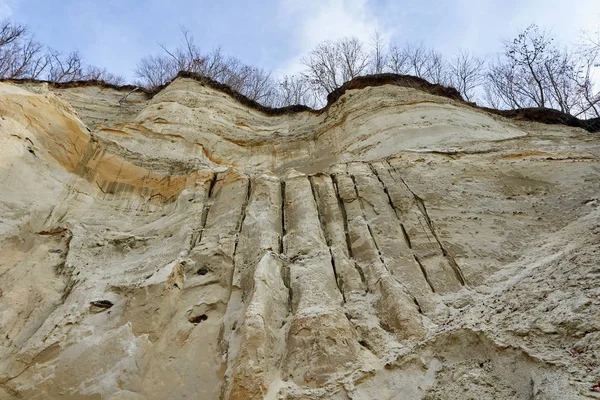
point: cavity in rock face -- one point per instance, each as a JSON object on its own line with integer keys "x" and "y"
{"x": 102, "y": 304}
{"x": 397, "y": 245}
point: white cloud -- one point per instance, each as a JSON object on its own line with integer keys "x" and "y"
{"x": 314, "y": 21}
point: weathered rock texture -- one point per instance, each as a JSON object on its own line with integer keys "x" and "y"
{"x": 397, "y": 245}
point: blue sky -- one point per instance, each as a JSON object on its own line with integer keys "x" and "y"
{"x": 274, "y": 34}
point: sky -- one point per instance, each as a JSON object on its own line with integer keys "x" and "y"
{"x": 274, "y": 35}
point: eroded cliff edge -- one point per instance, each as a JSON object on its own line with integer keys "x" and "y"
{"x": 397, "y": 245}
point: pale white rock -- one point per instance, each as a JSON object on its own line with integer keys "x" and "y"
{"x": 396, "y": 245}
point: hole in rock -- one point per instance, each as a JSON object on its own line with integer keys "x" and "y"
{"x": 202, "y": 271}
{"x": 102, "y": 303}
{"x": 198, "y": 318}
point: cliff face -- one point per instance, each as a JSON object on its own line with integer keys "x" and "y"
{"x": 398, "y": 245}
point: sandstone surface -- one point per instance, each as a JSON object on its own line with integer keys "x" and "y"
{"x": 397, "y": 245}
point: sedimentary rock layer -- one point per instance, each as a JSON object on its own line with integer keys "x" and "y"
{"x": 398, "y": 245}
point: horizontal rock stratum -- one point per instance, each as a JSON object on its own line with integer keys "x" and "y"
{"x": 395, "y": 245}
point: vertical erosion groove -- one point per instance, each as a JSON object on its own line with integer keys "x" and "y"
{"x": 205, "y": 210}
{"x": 424, "y": 272}
{"x": 343, "y": 211}
{"x": 62, "y": 270}
{"x": 452, "y": 262}
{"x": 406, "y": 237}
{"x": 359, "y": 199}
{"x": 224, "y": 334}
{"x": 239, "y": 227}
{"x": 385, "y": 189}
{"x": 327, "y": 238}
{"x": 321, "y": 222}
{"x": 346, "y": 231}
{"x": 212, "y": 185}
{"x": 423, "y": 209}
{"x": 392, "y": 168}
{"x": 281, "y": 249}
{"x": 392, "y": 205}
{"x": 367, "y": 223}
{"x": 285, "y": 273}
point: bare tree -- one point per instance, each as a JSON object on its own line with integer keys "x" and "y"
{"x": 518, "y": 77}
{"x": 10, "y": 32}
{"x": 187, "y": 57}
{"x": 332, "y": 63}
{"x": 586, "y": 94}
{"x": 561, "y": 73}
{"x": 436, "y": 68}
{"x": 296, "y": 89}
{"x": 322, "y": 65}
{"x": 535, "y": 72}
{"x": 378, "y": 53}
{"x": 397, "y": 61}
{"x": 101, "y": 74}
{"x": 154, "y": 71}
{"x": 589, "y": 58}
{"x": 258, "y": 85}
{"x": 21, "y": 56}
{"x": 64, "y": 69}
{"x": 466, "y": 73}
{"x": 590, "y": 42}
{"x": 217, "y": 65}
{"x": 353, "y": 59}
{"x": 419, "y": 61}
{"x": 503, "y": 87}
{"x": 426, "y": 63}
{"x": 532, "y": 72}
{"x": 527, "y": 54}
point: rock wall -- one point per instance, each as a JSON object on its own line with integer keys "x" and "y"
{"x": 398, "y": 245}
